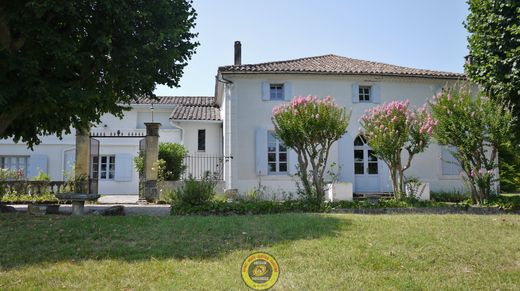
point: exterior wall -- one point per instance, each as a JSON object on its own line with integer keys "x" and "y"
{"x": 245, "y": 111}
{"x": 54, "y": 149}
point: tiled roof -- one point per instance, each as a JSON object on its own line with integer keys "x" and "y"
{"x": 183, "y": 112}
{"x": 179, "y": 100}
{"x": 337, "y": 65}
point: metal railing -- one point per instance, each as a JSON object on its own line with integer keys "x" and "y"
{"x": 199, "y": 166}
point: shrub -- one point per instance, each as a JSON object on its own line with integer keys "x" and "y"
{"x": 173, "y": 155}
{"x": 392, "y": 128}
{"x": 478, "y": 128}
{"x": 455, "y": 197}
{"x": 171, "y": 159}
{"x": 195, "y": 192}
{"x": 309, "y": 126}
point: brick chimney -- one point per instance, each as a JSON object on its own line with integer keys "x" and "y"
{"x": 238, "y": 53}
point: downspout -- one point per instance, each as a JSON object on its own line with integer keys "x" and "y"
{"x": 173, "y": 123}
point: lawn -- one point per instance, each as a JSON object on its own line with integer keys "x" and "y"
{"x": 314, "y": 251}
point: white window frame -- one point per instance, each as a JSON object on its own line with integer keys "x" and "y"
{"x": 271, "y": 139}
{"x": 446, "y": 150}
{"x": 365, "y": 93}
{"x": 276, "y": 91}
{"x": 21, "y": 163}
{"x": 109, "y": 171}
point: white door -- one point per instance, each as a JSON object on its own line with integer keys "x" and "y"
{"x": 366, "y": 167}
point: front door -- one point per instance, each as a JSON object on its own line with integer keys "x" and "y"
{"x": 366, "y": 167}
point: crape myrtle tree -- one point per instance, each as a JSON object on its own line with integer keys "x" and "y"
{"x": 478, "y": 128}
{"x": 64, "y": 64}
{"x": 392, "y": 128}
{"x": 309, "y": 126}
{"x": 494, "y": 48}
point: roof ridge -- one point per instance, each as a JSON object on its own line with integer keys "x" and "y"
{"x": 284, "y": 61}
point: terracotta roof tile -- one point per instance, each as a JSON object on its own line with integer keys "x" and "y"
{"x": 338, "y": 65}
{"x": 179, "y": 100}
{"x": 183, "y": 112}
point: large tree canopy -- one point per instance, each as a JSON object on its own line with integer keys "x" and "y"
{"x": 66, "y": 63}
{"x": 494, "y": 45}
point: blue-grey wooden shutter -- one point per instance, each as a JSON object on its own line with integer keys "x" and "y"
{"x": 37, "y": 163}
{"x": 376, "y": 93}
{"x": 355, "y": 92}
{"x": 124, "y": 167}
{"x": 265, "y": 91}
{"x": 293, "y": 162}
{"x": 346, "y": 158}
{"x": 287, "y": 91}
{"x": 261, "y": 151}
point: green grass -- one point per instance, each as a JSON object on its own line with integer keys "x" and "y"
{"x": 314, "y": 251}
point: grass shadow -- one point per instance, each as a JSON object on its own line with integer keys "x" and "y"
{"x": 27, "y": 240}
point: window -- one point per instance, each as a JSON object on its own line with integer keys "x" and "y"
{"x": 276, "y": 155}
{"x": 449, "y": 164}
{"x": 103, "y": 167}
{"x": 364, "y": 93}
{"x": 15, "y": 163}
{"x": 201, "y": 144}
{"x": 365, "y": 160}
{"x": 276, "y": 92}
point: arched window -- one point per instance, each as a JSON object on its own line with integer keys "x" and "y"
{"x": 365, "y": 160}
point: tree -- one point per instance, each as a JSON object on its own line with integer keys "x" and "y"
{"x": 494, "y": 47}
{"x": 394, "y": 127}
{"x": 66, "y": 63}
{"x": 478, "y": 128}
{"x": 310, "y": 126}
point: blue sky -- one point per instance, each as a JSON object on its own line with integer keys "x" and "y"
{"x": 422, "y": 34}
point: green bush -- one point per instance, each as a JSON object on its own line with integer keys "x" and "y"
{"x": 195, "y": 192}
{"x": 173, "y": 155}
{"x": 455, "y": 197}
{"x": 504, "y": 202}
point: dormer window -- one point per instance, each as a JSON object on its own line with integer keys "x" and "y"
{"x": 364, "y": 93}
{"x": 276, "y": 92}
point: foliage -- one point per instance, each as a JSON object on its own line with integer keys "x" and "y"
{"x": 42, "y": 176}
{"x": 195, "y": 192}
{"x": 64, "y": 64}
{"x": 310, "y": 126}
{"x": 14, "y": 198}
{"x": 494, "y": 47}
{"x": 504, "y": 202}
{"x": 171, "y": 161}
{"x": 455, "y": 197}
{"x": 393, "y": 127}
{"x": 7, "y": 175}
{"x": 173, "y": 155}
{"x": 478, "y": 128}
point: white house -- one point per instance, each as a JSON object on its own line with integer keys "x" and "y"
{"x": 236, "y": 124}
{"x": 192, "y": 121}
{"x": 248, "y": 93}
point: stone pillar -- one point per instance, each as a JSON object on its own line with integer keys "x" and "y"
{"x": 151, "y": 155}
{"x": 82, "y": 166}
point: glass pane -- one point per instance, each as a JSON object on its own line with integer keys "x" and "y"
{"x": 371, "y": 156}
{"x": 359, "y": 169}
{"x": 358, "y": 141}
{"x": 283, "y": 157}
{"x": 271, "y": 157}
{"x": 104, "y": 160}
{"x": 112, "y": 159}
{"x": 358, "y": 155}
{"x": 272, "y": 167}
{"x": 282, "y": 148}
{"x": 103, "y": 175}
{"x": 271, "y": 148}
{"x": 283, "y": 167}
{"x": 372, "y": 168}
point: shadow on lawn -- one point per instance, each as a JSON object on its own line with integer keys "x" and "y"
{"x": 27, "y": 240}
